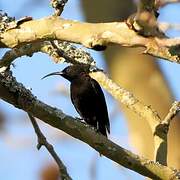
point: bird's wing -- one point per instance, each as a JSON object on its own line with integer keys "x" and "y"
{"x": 76, "y": 100}
{"x": 101, "y": 104}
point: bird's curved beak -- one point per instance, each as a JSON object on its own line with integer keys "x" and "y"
{"x": 52, "y": 74}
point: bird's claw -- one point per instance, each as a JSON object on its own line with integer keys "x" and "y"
{"x": 81, "y": 120}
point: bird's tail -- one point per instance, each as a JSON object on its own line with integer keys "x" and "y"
{"x": 102, "y": 129}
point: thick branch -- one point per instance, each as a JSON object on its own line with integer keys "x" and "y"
{"x": 90, "y": 35}
{"x": 43, "y": 142}
{"x": 15, "y": 93}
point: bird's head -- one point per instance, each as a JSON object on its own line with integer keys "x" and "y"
{"x": 71, "y": 72}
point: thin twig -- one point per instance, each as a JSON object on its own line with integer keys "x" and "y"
{"x": 59, "y": 51}
{"x": 162, "y": 3}
{"x": 172, "y": 113}
{"x": 71, "y": 54}
{"x": 160, "y": 145}
{"x": 166, "y": 26}
{"x": 58, "y": 5}
{"x": 42, "y": 141}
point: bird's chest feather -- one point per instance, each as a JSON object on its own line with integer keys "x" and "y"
{"x": 81, "y": 87}
{"x": 82, "y": 96}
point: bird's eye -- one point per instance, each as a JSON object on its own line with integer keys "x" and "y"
{"x": 67, "y": 70}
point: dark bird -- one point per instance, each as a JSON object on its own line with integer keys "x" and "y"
{"x": 87, "y": 97}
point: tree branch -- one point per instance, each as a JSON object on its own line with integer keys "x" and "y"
{"x": 59, "y": 51}
{"x": 167, "y": 26}
{"x": 16, "y": 94}
{"x": 162, "y": 3}
{"x": 172, "y": 113}
{"x": 162, "y": 130}
{"x": 58, "y": 5}
{"x": 27, "y": 50}
{"x": 43, "y": 142}
{"x": 90, "y": 35}
{"x": 144, "y": 21}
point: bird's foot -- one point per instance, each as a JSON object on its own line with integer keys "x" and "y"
{"x": 81, "y": 120}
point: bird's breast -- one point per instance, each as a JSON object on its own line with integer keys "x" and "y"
{"x": 80, "y": 85}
